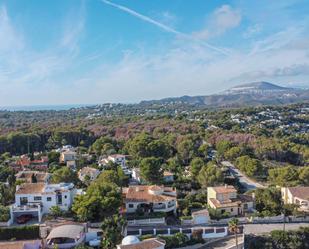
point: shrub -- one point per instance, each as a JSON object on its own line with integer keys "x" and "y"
{"x": 186, "y": 217}
{"x": 4, "y": 213}
{"x": 146, "y": 236}
{"x": 24, "y": 233}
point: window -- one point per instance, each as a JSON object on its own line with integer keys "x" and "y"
{"x": 48, "y": 199}
{"x": 65, "y": 197}
{"x": 222, "y": 211}
{"x": 231, "y": 209}
{"x": 23, "y": 200}
{"x": 131, "y": 205}
{"x": 37, "y": 198}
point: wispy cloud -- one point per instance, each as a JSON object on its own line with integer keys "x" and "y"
{"x": 164, "y": 27}
{"x": 221, "y": 20}
{"x": 21, "y": 66}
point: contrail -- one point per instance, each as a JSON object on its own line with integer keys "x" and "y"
{"x": 163, "y": 26}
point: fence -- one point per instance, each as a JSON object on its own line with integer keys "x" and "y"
{"x": 207, "y": 232}
{"x": 150, "y": 221}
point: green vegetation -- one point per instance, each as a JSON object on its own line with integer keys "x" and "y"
{"x": 268, "y": 201}
{"x": 101, "y": 200}
{"x": 4, "y": 213}
{"x": 20, "y": 233}
{"x": 112, "y": 228}
{"x": 279, "y": 239}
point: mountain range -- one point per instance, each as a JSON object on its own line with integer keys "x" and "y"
{"x": 249, "y": 94}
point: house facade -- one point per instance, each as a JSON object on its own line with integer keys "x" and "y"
{"x": 66, "y": 156}
{"x": 226, "y": 199}
{"x": 92, "y": 173}
{"x": 37, "y": 198}
{"x": 296, "y": 195}
{"x": 150, "y": 199}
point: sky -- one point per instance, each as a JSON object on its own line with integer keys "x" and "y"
{"x": 56, "y": 52}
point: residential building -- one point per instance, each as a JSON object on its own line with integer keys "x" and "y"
{"x": 168, "y": 177}
{"x": 25, "y": 163}
{"x": 296, "y": 195}
{"x": 136, "y": 175}
{"x": 66, "y": 236}
{"x": 71, "y": 165}
{"x": 226, "y": 199}
{"x": 92, "y": 173}
{"x": 29, "y": 176}
{"x": 150, "y": 198}
{"x": 67, "y": 155}
{"x": 37, "y": 198}
{"x": 200, "y": 217}
{"x": 115, "y": 158}
{"x": 132, "y": 242}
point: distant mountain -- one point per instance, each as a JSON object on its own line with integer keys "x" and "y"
{"x": 256, "y": 87}
{"x": 250, "y": 94}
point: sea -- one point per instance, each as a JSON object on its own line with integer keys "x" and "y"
{"x": 42, "y": 107}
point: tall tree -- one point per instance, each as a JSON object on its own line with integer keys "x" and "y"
{"x": 151, "y": 170}
{"x": 233, "y": 227}
{"x": 210, "y": 175}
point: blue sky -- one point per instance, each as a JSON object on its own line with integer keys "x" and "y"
{"x": 97, "y": 51}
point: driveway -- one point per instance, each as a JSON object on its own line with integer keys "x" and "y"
{"x": 247, "y": 183}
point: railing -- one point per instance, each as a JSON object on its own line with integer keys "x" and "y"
{"x": 169, "y": 208}
{"x": 147, "y": 221}
{"x": 26, "y": 208}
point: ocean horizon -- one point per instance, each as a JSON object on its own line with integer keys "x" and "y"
{"x": 42, "y": 107}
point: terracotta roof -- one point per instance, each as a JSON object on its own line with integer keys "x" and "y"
{"x": 245, "y": 198}
{"x": 26, "y": 175}
{"x": 142, "y": 194}
{"x": 231, "y": 203}
{"x": 201, "y": 212}
{"x": 145, "y": 244}
{"x": 224, "y": 189}
{"x": 30, "y": 188}
{"x": 300, "y": 192}
{"x": 19, "y": 244}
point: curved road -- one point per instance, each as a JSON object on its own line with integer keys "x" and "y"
{"x": 246, "y": 182}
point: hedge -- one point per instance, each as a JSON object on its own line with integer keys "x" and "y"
{"x": 20, "y": 233}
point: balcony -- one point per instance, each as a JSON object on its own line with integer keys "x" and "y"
{"x": 165, "y": 208}
{"x": 28, "y": 207}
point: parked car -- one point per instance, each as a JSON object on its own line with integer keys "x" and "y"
{"x": 24, "y": 218}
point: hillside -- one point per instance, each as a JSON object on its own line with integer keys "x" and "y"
{"x": 250, "y": 94}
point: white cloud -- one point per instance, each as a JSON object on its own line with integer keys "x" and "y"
{"x": 23, "y": 70}
{"x": 221, "y": 20}
{"x": 252, "y": 30}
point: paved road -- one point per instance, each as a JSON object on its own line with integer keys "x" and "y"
{"x": 266, "y": 228}
{"x": 247, "y": 183}
{"x": 225, "y": 243}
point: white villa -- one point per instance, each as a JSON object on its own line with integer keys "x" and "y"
{"x": 88, "y": 171}
{"x": 37, "y": 198}
{"x": 150, "y": 199}
{"x": 67, "y": 155}
{"x": 116, "y": 158}
{"x": 296, "y": 195}
{"x": 132, "y": 242}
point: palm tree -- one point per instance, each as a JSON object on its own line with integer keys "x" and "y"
{"x": 233, "y": 228}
